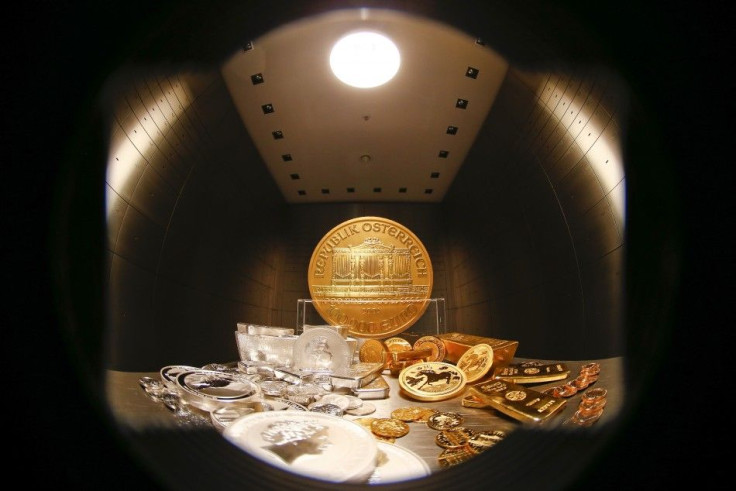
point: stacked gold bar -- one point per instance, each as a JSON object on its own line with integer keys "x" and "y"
{"x": 457, "y": 343}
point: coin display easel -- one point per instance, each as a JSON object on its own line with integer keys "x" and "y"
{"x": 432, "y": 322}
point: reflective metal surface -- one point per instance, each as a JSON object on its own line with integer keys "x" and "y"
{"x": 135, "y": 411}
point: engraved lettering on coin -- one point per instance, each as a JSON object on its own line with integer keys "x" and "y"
{"x": 292, "y": 439}
{"x": 372, "y": 275}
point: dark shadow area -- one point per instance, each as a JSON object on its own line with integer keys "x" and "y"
{"x": 677, "y": 257}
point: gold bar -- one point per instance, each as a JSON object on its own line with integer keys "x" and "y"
{"x": 517, "y": 401}
{"x": 457, "y": 343}
{"x": 531, "y": 372}
{"x": 418, "y": 354}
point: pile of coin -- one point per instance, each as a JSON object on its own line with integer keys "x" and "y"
{"x": 591, "y": 406}
{"x": 459, "y": 443}
{"x": 588, "y": 375}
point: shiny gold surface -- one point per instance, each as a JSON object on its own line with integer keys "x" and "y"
{"x": 373, "y": 351}
{"x": 457, "y": 343}
{"x": 517, "y": 401}
{"x": 476, "y": 362}
{"x": 435, "y": 344}
{"x": 433, "y": 381}
{"x": 372, "y": 275}
{"x": 389, "y": 427}
{"x": 532, "y": 372}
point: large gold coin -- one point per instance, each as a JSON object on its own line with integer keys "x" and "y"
{"x": 372, "y": 275}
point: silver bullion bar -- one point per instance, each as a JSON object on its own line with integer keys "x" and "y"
{"x": 357, "y": 375}
{"x": 377, "y": 388}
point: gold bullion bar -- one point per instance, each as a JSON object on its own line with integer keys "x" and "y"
{"x": 457, "y": 343}
{"x": 372, "y": 275}
{"x": 532, "y": 372}
{"x": 520, "y": 402}
{"x": 413, "y": 354}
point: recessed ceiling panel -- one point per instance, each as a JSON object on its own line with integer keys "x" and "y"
{"x": 406, "y": 138}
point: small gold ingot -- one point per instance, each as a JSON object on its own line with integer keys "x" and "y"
{"x": 413, "y": 354}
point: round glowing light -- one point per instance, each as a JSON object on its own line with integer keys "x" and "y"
{"x": 365, "y": 59}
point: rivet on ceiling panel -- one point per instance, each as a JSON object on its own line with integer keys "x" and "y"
{"x": 277, "y": 135}
{"x": 258, "y": 78}
{"x": 325, "y": 191}
{"x": 402, "y": 190}
{"x": 376, "y": 190}
{"x": 286, "y": 157}
{"x": 248, "y": 46}
{"x": 427, "y": 191}
{"x": 294, "y": 176}
{"x": 471, "y": 72}
{"x": 267, "y": 108}
{"x": 351, "y": 190}
{"x": 452, "y": 130}
{"x": 443, "y": 154}
{"x": 434, "y": 175}
{"x": 461, "y": 104}
{"x": 302, "y": 192}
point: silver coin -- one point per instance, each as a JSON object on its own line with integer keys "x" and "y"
{"x": 275, "y": 388}
{"x": 326, "y": 408}
{"x": 321, "y": 349}
{"x": 281, "y": 404}
{"x": 339, "y": 400}
{"x": 363, "y": 410}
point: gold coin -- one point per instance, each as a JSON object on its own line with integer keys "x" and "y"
{"x": 389, "y": 427}
{"x": 453, "y": 438}
{"x": 409, "y": 413}
{"x": 435, "y": 344}
{"x": 397, "y": 345}
{"x": 476, "y": 362}
{"x": 373, "y": 351}
{"x": 425, "y": 414}
{"x": 454, "y": 456}
{"x": 445, "y": 420}
{"x": 432, "y": 381}
{"x": 372, "y": 275}
{"x": 483, "y": 440}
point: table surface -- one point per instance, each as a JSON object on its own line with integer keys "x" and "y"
{"x": 133, "y": 409}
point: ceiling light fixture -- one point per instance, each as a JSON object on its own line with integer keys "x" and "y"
{"x": 365, "y": 59}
